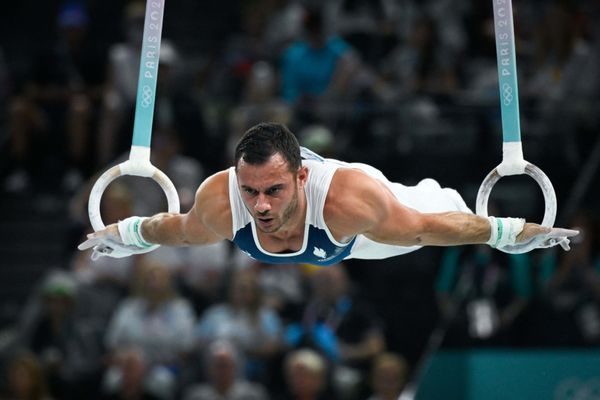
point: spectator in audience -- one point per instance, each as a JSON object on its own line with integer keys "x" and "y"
{"x": 225, "y": 382}
{"x": 265, "y": 28}
{"x": 133, "y": 382}
{"x": 365, "y": 25}
{"x": 388, "y": 376}
{"x": 50, "y": 116}
{"x": 203, "y": 273}
{"x": 25, "y": 379}
{"x": 260, "y": 102}
{"x": 67, "y": 343}
{"x": 336, "y": 324}
{"x": 564, "y": 86}
{"x": 482, "y": 293}
{"x": 482, "y": 85}
{"x": 245, "y": 320}
{"x": 320, "y": 66}
{"x": 283, "y": 26}
{"x": 319, "y": 139}
{"x": 421, "y": 65}
{"x": 306, "y": 376}
{"x": 156, "y": 320}
{"x": 449, "y": 18}
{"x": 283, "y": 288}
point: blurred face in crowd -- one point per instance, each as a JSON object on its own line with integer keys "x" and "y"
{"x": 330, "y": 283}
{"x": 58, "y": 305}
{"x": 21, "y": 381}
{"x": 134, "y": 23}
{"x": 25, "y": 378}
{"x": 133, "y": 366}
{"x": 304, "y": 381}
{"x": 245, "y": 290}
{"x": 116, "y": 203}
{"x": 389, "y": 376}
{"x": 222, "y": 370}
{"x": 314, "y": 29}
{"x": 73, "y": 21}
{"x": 261, "y": 83}
{"x": 155, "y": 282}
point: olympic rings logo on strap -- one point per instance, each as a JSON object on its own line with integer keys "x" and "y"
{"x": 507, "y": 94}
{"x": 146, "y": 96}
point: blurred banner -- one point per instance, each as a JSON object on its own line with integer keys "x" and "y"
{"x": 500, "y": 375}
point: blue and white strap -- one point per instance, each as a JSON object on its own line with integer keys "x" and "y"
{"x": 504, "y": 231}
{"x": 130, "y": 230}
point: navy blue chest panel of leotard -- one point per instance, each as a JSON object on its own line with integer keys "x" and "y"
{"x": 319, "y": 249}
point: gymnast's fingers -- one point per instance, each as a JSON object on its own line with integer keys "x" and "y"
{"x": 101, "y": 250}
{"x": 90, "y": 242}
{"x": 563, "y": 233}
{"x": 565, "y": 244}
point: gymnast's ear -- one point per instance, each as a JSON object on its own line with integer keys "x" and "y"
{"x": 302, "y": 175}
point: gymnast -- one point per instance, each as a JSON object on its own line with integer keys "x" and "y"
{"x": 281, "y": 203}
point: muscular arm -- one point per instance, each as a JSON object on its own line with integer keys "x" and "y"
{"x": 359, "y": 204}
{"x": 207, "y": 222}
{"x": 177, "y": 230}
{"x": 450, "y": 228}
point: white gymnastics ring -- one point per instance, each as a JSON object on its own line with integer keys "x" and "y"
{"x": 549, "y": 198}
{"x": 139, "y": 157}
{"x": 133, "y": 168}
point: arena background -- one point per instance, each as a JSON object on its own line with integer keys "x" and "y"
{"x": 413, "y": 92}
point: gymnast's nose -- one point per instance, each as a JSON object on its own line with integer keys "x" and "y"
{"x": 262, "y": 205}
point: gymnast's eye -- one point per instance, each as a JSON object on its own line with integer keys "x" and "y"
{"x": 274, "y": 190}
{"x": 250, "y": 191}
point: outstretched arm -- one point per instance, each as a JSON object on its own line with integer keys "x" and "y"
{"x": 457, "y": 228}
{"x": 361, "y": 204}
{"x": 208, "y": 221}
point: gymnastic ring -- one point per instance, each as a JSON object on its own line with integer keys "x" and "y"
{"x": 142, "y": 169}
{"x": 549, "y": 198}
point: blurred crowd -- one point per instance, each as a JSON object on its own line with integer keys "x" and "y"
{"x": 408, "y": 86}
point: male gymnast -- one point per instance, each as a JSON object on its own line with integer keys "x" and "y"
{"x": 281, "y": 203}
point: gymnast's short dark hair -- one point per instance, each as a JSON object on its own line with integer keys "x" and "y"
{"x": 262, "y": 141}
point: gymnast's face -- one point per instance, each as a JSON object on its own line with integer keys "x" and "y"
{"x": 271, "y": 192}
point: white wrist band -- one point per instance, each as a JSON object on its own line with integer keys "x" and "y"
{"x": 504, "y": 231}
{"x": 130, "y": 230}
{"x": 493, "y": 232}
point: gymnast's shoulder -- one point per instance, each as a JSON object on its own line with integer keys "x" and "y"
{"x": 353, "y": 201}
{"x": 212, "y": 203}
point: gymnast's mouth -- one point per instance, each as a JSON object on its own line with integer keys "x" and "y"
{"x": 265, "y": 221}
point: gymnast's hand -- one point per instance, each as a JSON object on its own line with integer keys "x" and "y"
{"x": 546, "y": 237}
{"x": 106, "y": 242}
{"x": 118, "y": 240}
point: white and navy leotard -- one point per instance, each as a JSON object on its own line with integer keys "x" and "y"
{"x": 319, "y": 247}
